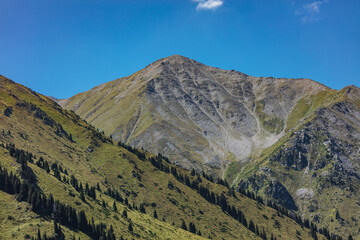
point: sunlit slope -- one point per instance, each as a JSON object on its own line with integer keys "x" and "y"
{"x": 38, "y": 125}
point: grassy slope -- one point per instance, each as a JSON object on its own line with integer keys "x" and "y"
{"x": 105, "y": 164}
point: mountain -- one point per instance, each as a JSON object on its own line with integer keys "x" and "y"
{"x": 61, "y": 177}
{"x": 201, "y": 116}
{"x": 294, "y": 141}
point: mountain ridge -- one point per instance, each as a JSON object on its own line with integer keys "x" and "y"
{"x": 165, "y": 65}
{"x": 262, "y": 134}
{"x": 54, "y": 154}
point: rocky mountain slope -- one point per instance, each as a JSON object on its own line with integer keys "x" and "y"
{"x": 59, "y": 172}
{"x": 294, "y": 141}
{"x": 201, "y": 116}
{"x": 315, "y": 168}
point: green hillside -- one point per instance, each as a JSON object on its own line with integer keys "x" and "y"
{"x": 63, "y": 148}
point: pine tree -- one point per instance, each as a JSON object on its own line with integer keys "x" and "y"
{"x": 313, "y": 234}
{"x": 82, "y": 196}
{"x": 130, "y": 227}
{"x": 183, "y": 225}
{"x": 350, "y": 237}
{"x": 142, "y": 208}
{"x": 251, "y": 226}
{"x": 192, "y": 227}
{"x": 124, "y": 214}
{"x": 264, "y": 235}
{"x": 38, "y": 235}
{"x": 56, "y": 230}
{"x": 114, "y": 207}
{"x": 155, "y": 214}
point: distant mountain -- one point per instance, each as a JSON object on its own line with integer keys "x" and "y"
{"x": 61, "y": 177}
{"x": 294, "y": 141}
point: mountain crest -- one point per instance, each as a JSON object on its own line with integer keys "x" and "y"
{"x": 219, "y": 115}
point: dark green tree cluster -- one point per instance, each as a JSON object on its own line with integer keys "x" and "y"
{"x": 208, "y": 195}
{"x": 48, "y": 207}
{"x": 232, "y": 211}
{"x": 89, "y": 190}
{"x": 114, "y": 194}
{"x": 97, "y": 135}
{"x": 22, "y": 157}
{"x": 43, "y": 164}
{"x": 191, "y": 228}
{"x": 139, "y": 154}
{"x": 40, "y": 114}
{"x": 8, "y": 111}
{"x": 58, "y": 234}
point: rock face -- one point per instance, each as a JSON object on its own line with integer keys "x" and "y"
{"x": 294, "y": 141}
{"x": 201, "y": 117}
{"x": 318, "y": 163}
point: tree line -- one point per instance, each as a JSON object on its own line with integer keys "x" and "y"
{"x": 26, "y": 190}
{"x": 237, "y": 214}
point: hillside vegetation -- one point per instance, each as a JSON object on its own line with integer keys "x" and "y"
{"x": 50, "y": 153}
{"x": 292, "y": 141}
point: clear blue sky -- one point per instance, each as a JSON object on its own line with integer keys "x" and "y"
{"x": 63, "y": 47}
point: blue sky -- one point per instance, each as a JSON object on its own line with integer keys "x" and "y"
{"x": 63, "y": 47}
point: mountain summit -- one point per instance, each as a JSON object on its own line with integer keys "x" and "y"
{"x": 200, "y": 116}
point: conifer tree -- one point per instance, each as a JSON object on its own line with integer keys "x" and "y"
{"x": 38, "y": 235}
{"x": 130, "y": 227}
{"x": 183, "y": 225}
{"x": 142, "y": 208}
{"x": 264, "y": 235}
{"x": 155, "y": 214}
{"x": 251, "y": 226}
{"x": 192, "y": 227}
{"x": 114, "y": 207}
{"x": 82, "y": 196}
{"x": 124, "y": 214}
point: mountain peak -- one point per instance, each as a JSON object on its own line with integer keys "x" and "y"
{"x": 174, "y": 60}
{"x": 176, "y": 57}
